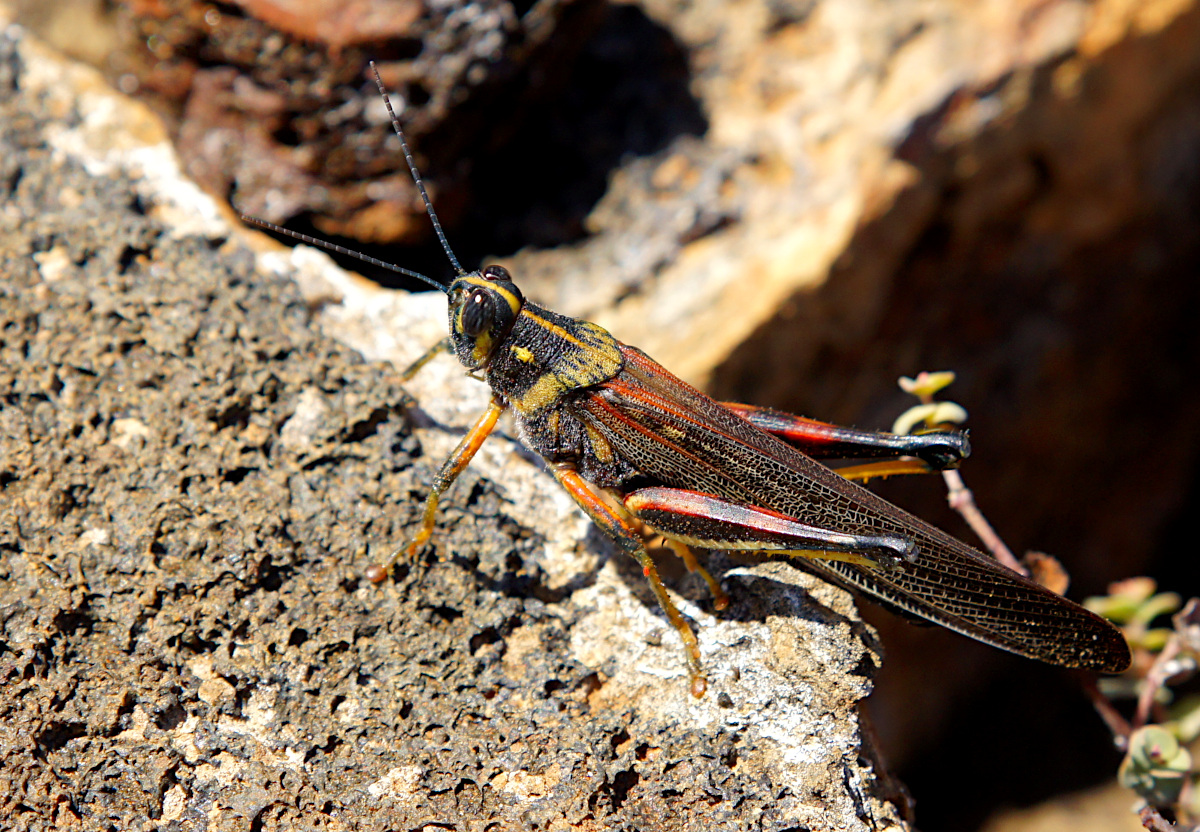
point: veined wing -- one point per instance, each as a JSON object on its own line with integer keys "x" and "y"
{"x": 679, "y": 437}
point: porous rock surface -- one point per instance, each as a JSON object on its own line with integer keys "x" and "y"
{"x": 193, "y": 480}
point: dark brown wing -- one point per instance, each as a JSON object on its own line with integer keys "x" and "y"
{"x": 674, "y": 434}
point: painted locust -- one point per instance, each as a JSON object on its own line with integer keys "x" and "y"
{"x": 638, "y": 448}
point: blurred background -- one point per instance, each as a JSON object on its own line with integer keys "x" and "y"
{"x": 791, "y": 203}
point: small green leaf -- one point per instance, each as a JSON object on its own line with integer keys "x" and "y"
{"x": 1161, "y": 604}
{"x": 1156, "y": 766}
{"x": 1185, "y": 718}
{"x": 1154, "y": 640}
{"x": 926, "y": 385}
{"x": 1133, "y": 601}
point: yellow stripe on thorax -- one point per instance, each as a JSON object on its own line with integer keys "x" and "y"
{"x": 559, "y": 332}
{"x": 591, "y": 355}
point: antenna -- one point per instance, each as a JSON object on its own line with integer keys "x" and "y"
{"x": 416, "y": 175}
{"x": 336, "y": 249}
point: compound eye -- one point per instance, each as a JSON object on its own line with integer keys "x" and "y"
{"x": 478, "y": 313}
{"x": 497, "y": 273}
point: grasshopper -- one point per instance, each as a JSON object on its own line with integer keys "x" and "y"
{"x": 638, "y": 449}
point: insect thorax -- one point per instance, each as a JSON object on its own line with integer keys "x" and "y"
{"x": 546, "y": 363}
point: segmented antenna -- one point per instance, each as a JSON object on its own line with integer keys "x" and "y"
{"x": 416, "y": 175}
{"x": 336, "y": 249}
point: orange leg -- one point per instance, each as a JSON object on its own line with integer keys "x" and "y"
{"x": 685, "y": 553}
{"x": 888, "y": 468}
{"x": 618, "y": 525}
{"x": 451, "y": 468}
{"x": 433, "y": 352}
